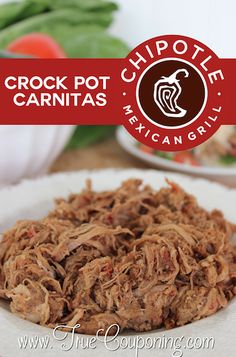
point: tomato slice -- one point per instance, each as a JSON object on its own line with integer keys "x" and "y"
{"x": 37, "y": 45}
{"x": 186, "y": 157}
{"x": 146, "y": 149}
{"x": 233, "y": 152}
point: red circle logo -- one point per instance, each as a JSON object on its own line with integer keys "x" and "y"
{"x": 172, "y": 93}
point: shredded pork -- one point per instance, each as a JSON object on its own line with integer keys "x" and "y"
{"x": 137, "y": 257}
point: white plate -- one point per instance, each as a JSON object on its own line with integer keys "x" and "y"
{"x": 221, "y": 174}
{"x": 33, "y": 199}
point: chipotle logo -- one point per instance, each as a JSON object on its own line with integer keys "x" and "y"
{"x": 172, "y": 89}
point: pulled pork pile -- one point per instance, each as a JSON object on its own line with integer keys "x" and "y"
{"x": 135, "y": 257}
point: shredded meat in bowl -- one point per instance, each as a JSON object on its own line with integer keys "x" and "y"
{"x": 137, "y": 257}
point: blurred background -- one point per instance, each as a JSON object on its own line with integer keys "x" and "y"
{"x": 100, "y": 28}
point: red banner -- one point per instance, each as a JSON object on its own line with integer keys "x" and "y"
{"x": 229, "y": 92}
{"x": 171, "y": 92}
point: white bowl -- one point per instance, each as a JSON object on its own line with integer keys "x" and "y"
{"x": 223, "y": 175}
{"x": 29, "y": 150}
{"x": 33, "y": 199}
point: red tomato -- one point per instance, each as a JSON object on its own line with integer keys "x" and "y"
{"x": 233, "y": 152}
{"x": 36, "y": 45}
{"x": 185, "y": 157}
{"x": 146, "y": 149}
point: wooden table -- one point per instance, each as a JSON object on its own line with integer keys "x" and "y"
{"x": 103, "y": 155}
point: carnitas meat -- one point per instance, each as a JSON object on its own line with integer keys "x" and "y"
{"x": 135, "y": 257}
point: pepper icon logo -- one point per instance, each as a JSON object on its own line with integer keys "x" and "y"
{"x": 171, "y": 93}
{"x": 167, "y": 90}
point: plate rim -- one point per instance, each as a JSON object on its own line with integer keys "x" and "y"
{"x": 127, "y": 142}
